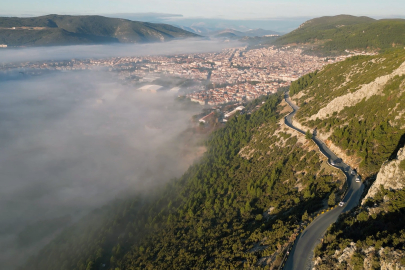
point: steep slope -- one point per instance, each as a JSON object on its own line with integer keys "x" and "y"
{"x": 358, "y": 107}
{"x": 391, "y": 176}
{"x": 373, "y": 236}
{"x": 48, "y": 36}
{"x": 334, "y": 35}
{"x": 237, "y": 208}
{"x": 61, "y": 29}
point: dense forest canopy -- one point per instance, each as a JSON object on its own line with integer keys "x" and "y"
{"x": 51, "y": 30}
{"x": 334, "y": 35}
{"x": 366, "y": 130}
{"x": 216, "y": 215}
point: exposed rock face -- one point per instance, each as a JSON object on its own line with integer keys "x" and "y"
{"x": 352, "y": 161}
{"x": 351, "y": 99}
{"x": 389, "y": 259}
{"x": 347, "y": 253}
{"x": 390, "y": 176}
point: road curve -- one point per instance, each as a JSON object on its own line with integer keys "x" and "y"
{"x": 300, "y": 257}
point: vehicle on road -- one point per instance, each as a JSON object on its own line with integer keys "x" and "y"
{"x": 358, "y": 179}
{"x": 353, "y": 172}
{"x": 302, "y": 252}
{"x": 337, "y": 161}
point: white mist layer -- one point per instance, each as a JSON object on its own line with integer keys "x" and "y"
{"x": 71, "y": 142}
{"x": 113, "y": 50}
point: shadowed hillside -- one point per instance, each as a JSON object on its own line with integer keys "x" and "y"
{"x": 69, "y": 30}
{"x": 334, "y": 35}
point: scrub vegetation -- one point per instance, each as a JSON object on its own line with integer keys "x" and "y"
{"x": 227, "y": 211}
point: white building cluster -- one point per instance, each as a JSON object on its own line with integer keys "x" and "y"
{"x": 234, "y": 75}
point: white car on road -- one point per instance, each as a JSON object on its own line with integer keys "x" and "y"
{"x": 341, "y": 204}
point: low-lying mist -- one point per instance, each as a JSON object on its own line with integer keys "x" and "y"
{"x": 73, "y": 141}
{"x": 113, "y": 50}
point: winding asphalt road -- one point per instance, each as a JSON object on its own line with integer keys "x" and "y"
{"x": 302, "y": 253}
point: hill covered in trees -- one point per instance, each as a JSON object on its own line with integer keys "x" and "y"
{"x": 68, "y": 30}
{"x": 238, "y": 206}
{"x": 357, "y": 107}
{"x": 334, "y": 35}
{"x": 373, "y": 235}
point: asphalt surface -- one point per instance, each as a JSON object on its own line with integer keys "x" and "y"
{"x": 302, "y": 253}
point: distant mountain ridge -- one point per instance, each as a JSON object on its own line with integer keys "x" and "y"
{"x": 250, "y": 33}
{"x": 69, "y": 30}
{"x": 333, "y": 35}
{"x": 202, "y": 29}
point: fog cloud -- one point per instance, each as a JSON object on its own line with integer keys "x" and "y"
{"x": 74, "y": 141}
{"x": 113, "y": 50}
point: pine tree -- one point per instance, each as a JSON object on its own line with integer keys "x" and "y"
{"x": 332, "y": 199}
{"x": 308, "y": 135}
{"x": 305, "y": 216}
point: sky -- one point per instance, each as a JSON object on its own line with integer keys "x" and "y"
{"x": 225, "y": 9}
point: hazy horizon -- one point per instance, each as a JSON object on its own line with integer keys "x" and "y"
{"x": 223, "y": 9}
{"x": 279, "y": 23}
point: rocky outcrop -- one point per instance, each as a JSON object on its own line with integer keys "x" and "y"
{"x": 390, "y": 176}
{"x": 347, "y": 253}
{"x": 390, "y": 259}
{"x": 387, "y": 258}
{"x": 351, "y": 99}
{"x": 353, "y": 161}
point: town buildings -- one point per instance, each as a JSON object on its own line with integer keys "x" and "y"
{"x": 229, "y": 76}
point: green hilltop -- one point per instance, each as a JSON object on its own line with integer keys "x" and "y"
{"x": 68, "y": 30}
{"x": 334, "y": 35}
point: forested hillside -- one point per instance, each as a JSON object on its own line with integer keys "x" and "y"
{"x": 334, "y": 35}
{"x": 372, "y": 236}
{"x": 238, "y": 207}
{"x": 68, "y": 30}
{"x": 357, "y": 106}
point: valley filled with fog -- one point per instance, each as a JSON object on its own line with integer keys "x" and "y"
{"x": 80, "y": 127}
{"x": 73, "y": 141}
{"x": 192, "y": 45}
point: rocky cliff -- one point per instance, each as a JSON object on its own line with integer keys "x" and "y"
{"x": 391, "y": 176}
